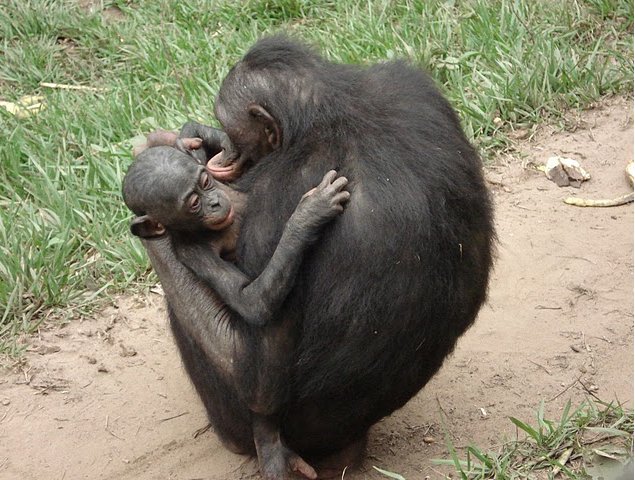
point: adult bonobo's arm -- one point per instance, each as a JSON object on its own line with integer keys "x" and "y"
{"x": 213, "y": 140}
{"x": 256, "y": 301}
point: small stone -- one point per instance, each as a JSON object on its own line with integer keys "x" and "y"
{"x": 428, "y": 439}
{"x": 6, "y": 401}
{"x": 46, "y": 349}
{"x": 575, "y": 348}
{"x": 555, "y": 172}
{"x": 520, "y": 134}
{"x": 102, "y": 368}
{"x": 127, "y": 351}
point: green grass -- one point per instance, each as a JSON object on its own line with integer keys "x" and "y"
{"x": 64, "y": 245}
{"x": 593, "y": 441}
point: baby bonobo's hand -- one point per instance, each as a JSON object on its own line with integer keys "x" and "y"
{"x": 321, "y": 204}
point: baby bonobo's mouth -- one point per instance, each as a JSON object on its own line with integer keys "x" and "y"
{"x": 221, "y": 168}
{"x": 223, "y": 223}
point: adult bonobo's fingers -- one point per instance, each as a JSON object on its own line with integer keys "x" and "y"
{"x": 212, "y": 138}
{"x": 192, "y": 143}
{"x": 188, "y": 145}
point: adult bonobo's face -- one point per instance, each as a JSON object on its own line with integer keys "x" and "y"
{"x": 252, "y": 131}
{"x": 169, "y": 189}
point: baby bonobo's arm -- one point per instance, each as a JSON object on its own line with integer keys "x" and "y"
{"x": 256, "y": 301}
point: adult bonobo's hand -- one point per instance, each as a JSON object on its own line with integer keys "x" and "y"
{"x": 319, "y": 205}
{"x": 217, "y": 152}
{"x": 213, "y": 141}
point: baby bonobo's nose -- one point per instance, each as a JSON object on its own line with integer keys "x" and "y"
{"x": 214, "y": 200}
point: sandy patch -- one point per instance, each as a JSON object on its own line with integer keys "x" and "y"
{"x": 107, "y": 397}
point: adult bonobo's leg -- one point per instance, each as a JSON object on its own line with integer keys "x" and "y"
{"x": 228, "y": 414}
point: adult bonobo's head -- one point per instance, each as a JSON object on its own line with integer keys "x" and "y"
{"x": 270, "y": 97}
{"x": 168, "y": 189}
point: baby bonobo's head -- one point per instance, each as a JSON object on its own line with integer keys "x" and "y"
{"x": 169, "y": 190}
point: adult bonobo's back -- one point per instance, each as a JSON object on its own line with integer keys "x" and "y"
{"x": 392, "y": 285}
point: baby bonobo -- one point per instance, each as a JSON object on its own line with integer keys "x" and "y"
{"x": 178, "y": 204}
{"x": 170, "y": 191}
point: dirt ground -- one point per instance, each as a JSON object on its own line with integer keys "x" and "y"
{"x": 107, "y": 397}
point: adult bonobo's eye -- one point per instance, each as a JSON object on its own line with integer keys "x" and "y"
{"x": 194, "y": 203}
{"x": 205, "y": 181}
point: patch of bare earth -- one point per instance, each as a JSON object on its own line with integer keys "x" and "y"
{"x": 111, "y": 13}
{"x": 107, "y": 397}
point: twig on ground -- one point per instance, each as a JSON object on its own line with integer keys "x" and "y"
{"x": 541, "y": 366}
{"x": 566, "y": 389}
{"x": 61, "y": 86}
{"x": 173, "y": 417}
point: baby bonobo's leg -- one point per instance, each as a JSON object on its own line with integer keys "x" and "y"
{"x": 275, "y": 460}
{"x": 167, "y": 139}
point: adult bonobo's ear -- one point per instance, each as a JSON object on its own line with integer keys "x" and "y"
{"x": 270, "y": 125}
{"x": 145, "y": 227}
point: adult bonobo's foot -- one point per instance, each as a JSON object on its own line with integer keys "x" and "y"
{"x": 276, "y": 461}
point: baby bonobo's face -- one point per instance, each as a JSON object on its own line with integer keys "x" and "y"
{"x": 173, "y": 190}
{"x": 206, "y": 204}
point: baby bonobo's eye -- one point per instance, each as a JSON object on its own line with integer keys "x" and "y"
{"x": 206, "y": 182}
{"x": 194, "y": 203}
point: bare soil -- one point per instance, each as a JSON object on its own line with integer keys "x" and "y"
{"x": 106, "y": 397}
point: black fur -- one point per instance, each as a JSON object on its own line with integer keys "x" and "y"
{"x": 390, "y": 287}
{"x": 404, "y": 272}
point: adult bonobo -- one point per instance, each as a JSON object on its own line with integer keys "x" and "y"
{"x": 391, "y": 286}
{"x": 220, "y": 314}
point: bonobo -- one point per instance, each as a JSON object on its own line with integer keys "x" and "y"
{"x": 392, "y": 285}
{"x": 171, "y": 192}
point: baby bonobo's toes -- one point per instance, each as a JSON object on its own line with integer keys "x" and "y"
{"x": 281, "y": 463}
{"x": 297, "y": 465}
{"x": 162, "y": 138}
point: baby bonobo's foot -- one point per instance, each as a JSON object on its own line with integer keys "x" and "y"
{"x": 346, "y": 459}
{"x": 276, "y": 461}
{"x": 163, "y": 138}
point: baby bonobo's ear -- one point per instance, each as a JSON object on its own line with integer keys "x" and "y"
{"x": 146, "y": 227}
